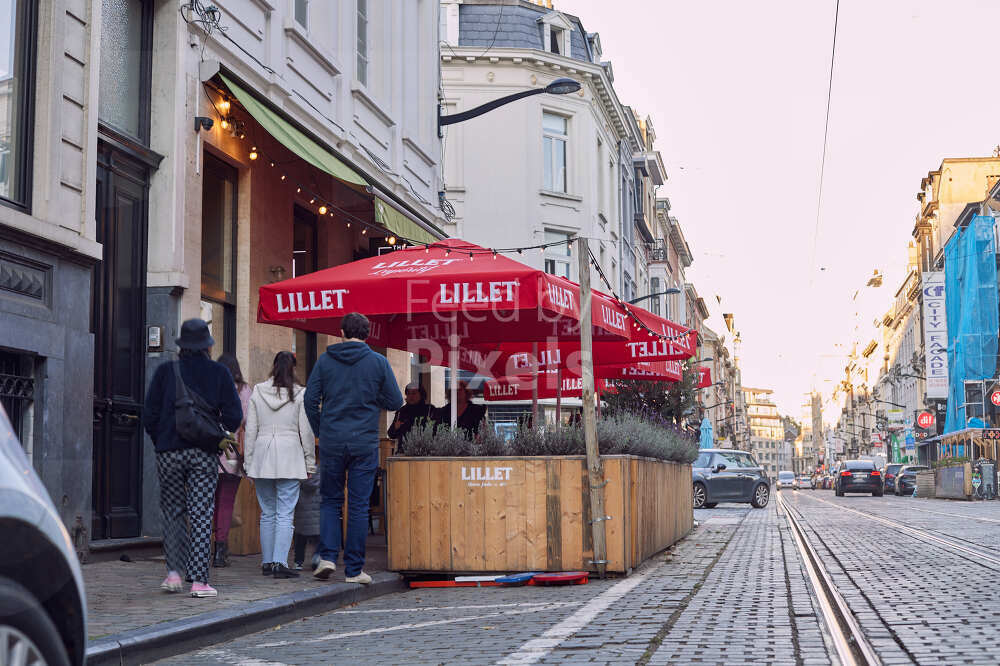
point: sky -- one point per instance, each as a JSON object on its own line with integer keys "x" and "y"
{"x": 737, "y": 93}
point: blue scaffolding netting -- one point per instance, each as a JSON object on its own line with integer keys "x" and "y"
{"x": 970, "y": 274}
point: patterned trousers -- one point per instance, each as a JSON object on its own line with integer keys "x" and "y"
{"x": 187, "y": 499}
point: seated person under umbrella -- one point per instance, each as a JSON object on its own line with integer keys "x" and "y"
{"x": 414, "y": 413}
{"x": 470, "y": 415}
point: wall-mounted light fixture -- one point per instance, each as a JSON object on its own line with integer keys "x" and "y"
{"x": 203, "y": 123}
{"x": 277, "y": 273}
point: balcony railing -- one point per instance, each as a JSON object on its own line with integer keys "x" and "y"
{"x": 656, "y": 251}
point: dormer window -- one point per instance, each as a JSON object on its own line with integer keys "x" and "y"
{"x": 556, "y": 30}
{"x": 555, "y": 40}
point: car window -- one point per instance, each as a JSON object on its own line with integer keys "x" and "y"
{"x": 728, "y": 459}
{"x": 747, "y": 460}
{"x": 892, "y": 469}
{"x": 702, "y": 460}
{"x": 786, "y": 475}
{"x": 859, "y": 465}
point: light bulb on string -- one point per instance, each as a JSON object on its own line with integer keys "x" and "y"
{"x": 298, "y": 190}
{"x": 471, "y": 257}
{"x": 494, "y": 255}
{"x": 283, "y": 176}
{"x": 253, "y": 153}
{"x": 313, "y": 200}
{"x": 364, "y": 231}
{"x": 224, "y": 104}
{"x": 322, "y": 210}
{"x": 272, "y": 163}
{"x": 224, "y": 124}
{"x": 392, "y": 240}
{"x": 427, "y": 249}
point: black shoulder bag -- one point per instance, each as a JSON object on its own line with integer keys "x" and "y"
{"x": 196, "y": 421}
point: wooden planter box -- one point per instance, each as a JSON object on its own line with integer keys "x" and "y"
{"x": 530, "y": 513}
{"x": 954, "y": 481}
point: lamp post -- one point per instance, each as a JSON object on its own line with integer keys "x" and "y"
{"x": 668, "y": 292}
{"x": 561, "y": 86}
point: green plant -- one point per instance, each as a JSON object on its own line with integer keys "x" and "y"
{"x": 623, "y": 433}
{"x": 673, "y": 401}
{"x": 950, "y": 462}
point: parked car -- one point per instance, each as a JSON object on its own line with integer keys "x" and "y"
{"x": 858, "y": 476}
{"x": 889, "y": 476}
{"x": 42, "y": 610}
{"x": 805, "y": 482}
{"x": 726, "y": 475}
{"x": 786, "y": 480}
{"x": 906, "y": 478}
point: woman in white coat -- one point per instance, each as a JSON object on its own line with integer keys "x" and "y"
{"x": 279, "y": 453}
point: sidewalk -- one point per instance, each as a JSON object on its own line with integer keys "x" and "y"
{"x": 130, "y": 620}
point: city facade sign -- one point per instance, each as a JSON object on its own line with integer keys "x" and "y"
{"x": 897, "y": 419}
{"x": 926, "y": 419}
{"x": 995, "y": 398}
{"x": 935, "y": 334}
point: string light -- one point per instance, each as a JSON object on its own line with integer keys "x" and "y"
{"x": 364, "y": 231}
{"x": 322, "y": 210}
{"x": 283, "y": 176}
{"x": 313, "y": 200}
{"x": 298, "y": 190}
{"x": 224, "y": 124}
{"x": 272, "y": 163}
{"x": 224, "y": 105}
{"x": 392, "y": 240}
{"x": 253, "y": 153}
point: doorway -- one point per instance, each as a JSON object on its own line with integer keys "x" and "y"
{"x": 304, "y": 260}
{"x": 118, "y": 317}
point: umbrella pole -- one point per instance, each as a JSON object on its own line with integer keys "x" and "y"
{"x": 453, "y": 339}
{"x": 558, "y": 396}
{"x": 594, "y": 467}
{"x": 534, "y": 388}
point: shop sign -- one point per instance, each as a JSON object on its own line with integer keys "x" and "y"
{"x": 896, "y": 419}
{"x": 926, "y": 419}
{"x": 995, "y": 398}
{"x": 935, "y": 334}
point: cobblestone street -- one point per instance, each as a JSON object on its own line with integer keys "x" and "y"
{"x": 734, "y": 592}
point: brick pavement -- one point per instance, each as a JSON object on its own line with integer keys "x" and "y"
{"x": 720, "y": 596}
{"x": 125, "y": 595}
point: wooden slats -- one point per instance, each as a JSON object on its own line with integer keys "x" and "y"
{"x": 515, "y": 514}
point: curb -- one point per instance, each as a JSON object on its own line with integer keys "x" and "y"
{"x": 167, "y": 639}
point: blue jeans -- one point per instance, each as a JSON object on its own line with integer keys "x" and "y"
{"x": 277, "y": 498}
{"x": 338, "y": 462}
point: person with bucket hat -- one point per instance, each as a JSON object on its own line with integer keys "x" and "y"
{"x": 187, "y": 473}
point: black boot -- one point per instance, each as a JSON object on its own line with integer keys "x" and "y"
{"x": 267, "y": 569}
{"x": 219, "y": 556}
{"x": 282, "y": 571}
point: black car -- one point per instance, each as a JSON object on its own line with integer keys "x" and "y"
{"x": 906, "y": 478}
{"x": 858, "y": 476}
{"x": 889, "y": 476}
{"x": 726, "y": 475}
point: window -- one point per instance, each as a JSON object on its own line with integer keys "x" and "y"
{"x": 362, "y": 42}
{"x": 16, "y": 92}
{"x": 654, "y": 302}
{"x": 555, "y": 40}
{"x": 554, "y": 136}
{"x": 601, "y": 194}
{"x": 17, "y": 393}
{"x": 703, "y": 460}
{"x": 302, "y": 13}
{"x": 218, "y": 248}
{"x": 557, "y": 257}
{"x": 126, "y": 39}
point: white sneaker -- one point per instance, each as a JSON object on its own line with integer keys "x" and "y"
{"x": 324, "y": 569}
{"x": 361, "y": 578}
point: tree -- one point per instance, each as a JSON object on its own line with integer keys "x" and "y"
{"x": 672, "y": 402}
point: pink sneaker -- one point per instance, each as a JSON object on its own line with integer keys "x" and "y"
{"x": 172, "y": 583}
{"x": 203, "y": 590}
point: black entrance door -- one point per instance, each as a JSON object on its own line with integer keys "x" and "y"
{"x": 118, "y": 323}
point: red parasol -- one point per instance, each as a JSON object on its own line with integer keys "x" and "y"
{"x": 568, "y": 384}
{"x": 430, "y": 293}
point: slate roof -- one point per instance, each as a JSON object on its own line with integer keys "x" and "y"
{"x": 519, "y": 28}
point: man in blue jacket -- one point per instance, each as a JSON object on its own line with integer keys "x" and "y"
{"x": 348, "y": 388}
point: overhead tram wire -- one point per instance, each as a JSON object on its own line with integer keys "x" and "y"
{"x": 826, "y": 134}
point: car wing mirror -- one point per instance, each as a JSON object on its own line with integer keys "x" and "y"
{"x": 718, "y": 468}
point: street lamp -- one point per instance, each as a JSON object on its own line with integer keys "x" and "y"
{"x": 561, "y": 86}
{"x": 668, "y": 292}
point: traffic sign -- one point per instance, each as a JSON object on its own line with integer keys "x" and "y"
{"x": 995, "y": 398}
{"x": 926, "y": 419}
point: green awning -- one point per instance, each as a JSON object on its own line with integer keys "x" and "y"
{"x": 293, "y": 139}
{"x": 386, "y": 213}
{"x": 399, "y": 223}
